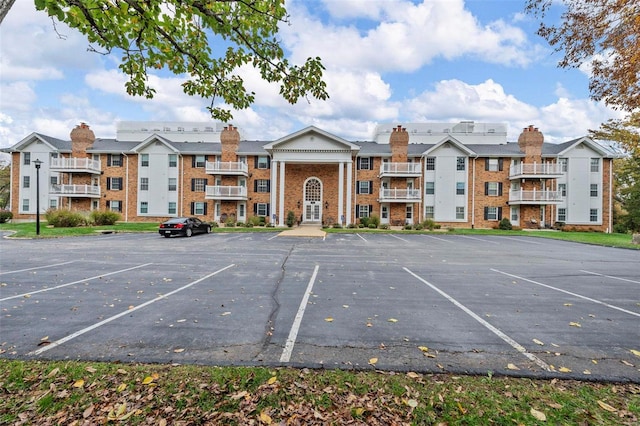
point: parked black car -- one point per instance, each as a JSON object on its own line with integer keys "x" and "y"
{"x": 186, "y": 226}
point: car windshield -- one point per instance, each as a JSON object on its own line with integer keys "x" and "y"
{"x": 177, "y": 220}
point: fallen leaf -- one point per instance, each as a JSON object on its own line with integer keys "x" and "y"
{"x": 412, "y": 403}
{"x": 224, "y": 314}
{"x": 272, "y": 380}
{"x": 538, "y": 342}
{"x": 575, "y": 324}
{"x": 607, "y": 407}
{"x": 594, "y": 361}
{"x": 239, "y": 395}
{"x": 181, "y": 320}
{"x": 178, "y": 350}
{"x": 359, "y": 411}
{"x": 121, "y": 387}
{"x": 423, "y": 348}
{"x": 568, "y": 304}
{"x": 512, "y": 367}
{"x": 564, "y": 370}
{"x": 627, "y": 363}
{"x": 392, "y": 320}
{"x": 147, "y": 380}
{"x": 413, "y": 375}
{"x": 88, "y": 411}
{"x": 539, "y": 415}
{"x": 345, "y": 306}
{"x": 265, "y": 418}
{"x": 373, "y": 361}
{"x": 78, "y": 383}
{"x": 328, "y": 319}
{"x": 53, "y": 372}
{"x": 90, "y": 369}
{"x": 586, "y": 372}
{"x": 636, "y": 353}
{"x": 45, "y": 338}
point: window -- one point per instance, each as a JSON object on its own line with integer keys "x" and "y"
{"x": 459, "y": 188}
{"x": 173, "y": 184}
{"x": 364, "y": 187}
{"x": 114, "y": 205}
{"x": 114, "y": 184}
{"x": 430, "y": 188}
{"x": 241, "y": 208}
{"x": 262, "y": 209}
{"x": 262, "y": 185}
{"x": 144, "y": 207}
{"x": 460, "y": 163}
{"x": 198, "y": 184}
{"x": 594, "y": 189}
{"x": 144, "y": 160}
{"x": 114, "y": 160}
{"x": 172, "y": 207}
{"x": 562, "y": 187}
{"x": 26, "y": 158}
{"x": 409, "y": 211}
{"x": 595, "y": 164}
{"x": 492, "y": 213}
{"x": 262, "y": 162}
{"x": 459, "y": 212}
{"x": 144, "y": 184}
{"x": 430, "y": 163}
{"x": 25, "y": 204}
{"x": 493, "y": 164}
{"x": 363, "y": 210}
{"x": 562, "y": 214}
{"x": 53, "y": 180}
{"x": 199, "y": 161}
{"x": 514, "y": 214}
{"x": 563, "y": 164}
{"x": 53, "y": 204}
{"x": 429, "y": 212}
{"x": 199, "y": 208}
{"x": 365, "y": 163}
{"x": 26, "y": 181}
{"x": 593, "y": 215}
{"x": 493, "y": 189}
{"x": 173, "y": 160}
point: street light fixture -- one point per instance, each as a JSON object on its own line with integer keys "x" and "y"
{"x": 37, "y": 163}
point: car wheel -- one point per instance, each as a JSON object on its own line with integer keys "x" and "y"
{"x": 208, "y": 229}
{"x": 188, "y": 232}
{"x": 167, "y": 235}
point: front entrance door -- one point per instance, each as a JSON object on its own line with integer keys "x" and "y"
{"x": 312, "y": 200}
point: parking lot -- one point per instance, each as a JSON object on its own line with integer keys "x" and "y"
{"x": 516, "y": 305}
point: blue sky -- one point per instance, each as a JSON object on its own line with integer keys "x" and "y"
{"x": 387, "y": 61}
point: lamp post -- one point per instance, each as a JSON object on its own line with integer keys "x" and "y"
{"x": 37, "y": 163}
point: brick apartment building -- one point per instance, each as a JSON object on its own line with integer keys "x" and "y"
{"x": 460, "y": 175}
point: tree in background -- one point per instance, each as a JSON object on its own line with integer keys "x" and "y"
{"x": 5, "y": 184}
{"x": 205, "y": 41}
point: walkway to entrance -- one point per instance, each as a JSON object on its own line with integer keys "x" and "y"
{"x": 304, "y": 231}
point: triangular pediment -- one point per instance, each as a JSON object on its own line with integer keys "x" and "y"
{"x": 154, "y": 140}
{"x": 311, "y": 139}
{"x": 451, "y": 142}
{"x": 589, "y": 143}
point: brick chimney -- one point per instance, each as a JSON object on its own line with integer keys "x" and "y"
{"x": 399, "y": 141}
{"x": 530, "y": 142}
{"x": 230, "y": 139}
{"x": 82, "y": 137}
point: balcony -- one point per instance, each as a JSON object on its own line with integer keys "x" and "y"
{"x": 535, "y": 197}
{"x": 535, "y": 170}
{"x": 400, "y": 170}
{"x": 79, "y": 191}
{"x": 227, "y": 168}
{"x": 75, "y": 165}
{"x": 399, "y": 195}
{"x": 217, "y": 192}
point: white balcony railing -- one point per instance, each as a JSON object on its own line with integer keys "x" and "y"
{"x": 536, "y": 169}
{"x": 400, "y": 169}
{"x": 75, "y": 190}
{"x": 227, "y": 168}
{"x": 535, "y": 196}
{"x": 399, "y": 194}
{"x": 217, "y": 192}
{"x": 84, "y": 165}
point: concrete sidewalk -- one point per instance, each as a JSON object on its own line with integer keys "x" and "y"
{"x": 304, "y": 231}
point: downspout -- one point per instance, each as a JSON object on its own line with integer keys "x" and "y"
{"x": 610, "y": 228}
{"x": 126, "y": 192}
{"x": 473, "y": 194}
{"x": 181, "y": 171}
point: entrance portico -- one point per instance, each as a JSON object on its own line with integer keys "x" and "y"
{"x": 308, "y": 177}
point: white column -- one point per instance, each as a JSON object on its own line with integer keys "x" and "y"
{"x": 274, "y": 191}
{"x": 340, "y": 192}
{"x": 281, "y": 192}
{"x": 348, "y": 213}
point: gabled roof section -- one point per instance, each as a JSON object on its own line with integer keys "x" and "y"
{"x": 153, "y": 139}
{"x": 311, "y": 131}
{"x": 454, "y": 142}
{"x": 563, "y": 148}
{"x": 54, "y": 143}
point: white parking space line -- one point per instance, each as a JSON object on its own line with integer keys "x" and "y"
{"x": 609, "y": 276}
{"x": 75, "y": 282}
{"x": 293, "y": 333}
{"x": 479, "y": 239}
{"x": 37, "y": 267}
{"x": 570, "y": 293}
{"x": 519, "y": 239}
{"x": 401, "y": 239}
{"x": 121, "y": 314}
{"x": 362, "y": 238}
{"x": 518, "y": 347}
{"x": 275, "y": 236}
{"x": 439, "y": 239}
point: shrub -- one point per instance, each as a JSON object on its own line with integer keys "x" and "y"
{"x": 104, "y": 217}
{"x": 64, "y": 218}
{"x": 618, "y": 228}
{"x": 364, "y": 221}
{"x": 240, "y": 224}
{"x": 375, "y": 220}
{"x": 254, "y": 221}
{"x": 230, "y": 222}
{"x": 5, "y": 216}
{"x": 291, "y": 218}
{"x": 384, "y": 226}
{"x": 337, "y": 225}
{"x": 430, "y": 224}
{"x": 505, "y": 224}
{"x": 360, "y": 225}
{"x": 214, "y": 224}
{"x": 351, "y": 226}
{"x": 372, "y": 225}
{"x": 407, "y": 226}
{"x": 418, "y": 227}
